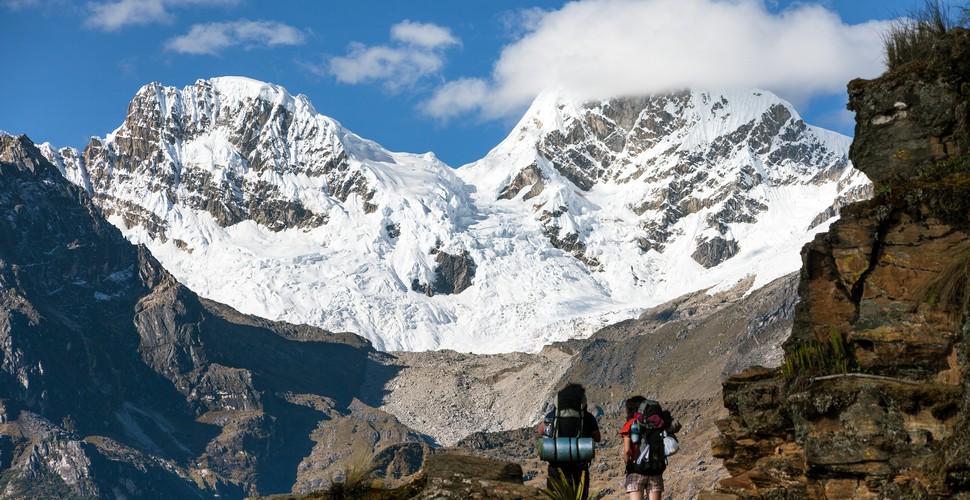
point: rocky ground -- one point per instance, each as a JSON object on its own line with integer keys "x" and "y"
{"x": 678, "y": 352}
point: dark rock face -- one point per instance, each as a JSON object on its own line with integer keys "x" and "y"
{"x": 916, "y": 115}
{"x": 714, "y": 251}
{"x": 567, "y": 241}
{"x": 895, "y": 425}
{"x": 452, "y": 274}
{"x": 71, "y": 377}
{"x": 116, "y": 380}
{"x": 530, "y": 176}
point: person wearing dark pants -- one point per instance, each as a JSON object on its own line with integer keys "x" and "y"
{"x": 586, "y": 427}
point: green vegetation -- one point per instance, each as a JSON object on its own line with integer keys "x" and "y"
{"x": 564, "y": 488}
{"x": 883, "y": 191}
{"x": 944, "y": 169}
{"x": 944, "y": 188}
{"x": 814, "y": 358}
{"x": 917, "y": 36}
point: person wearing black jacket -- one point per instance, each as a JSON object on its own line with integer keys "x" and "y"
{"x": 575, "y": 472}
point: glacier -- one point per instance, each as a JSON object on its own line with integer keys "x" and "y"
{"x": 586, "y": 214}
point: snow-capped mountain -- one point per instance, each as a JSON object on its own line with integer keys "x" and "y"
{"x": 586, "y": 214}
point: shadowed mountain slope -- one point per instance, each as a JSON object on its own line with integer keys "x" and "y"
{"x": 116, "y": 380}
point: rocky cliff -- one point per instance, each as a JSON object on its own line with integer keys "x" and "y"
{"x": 873, "y": 398}
{"x": 116, "y": 381}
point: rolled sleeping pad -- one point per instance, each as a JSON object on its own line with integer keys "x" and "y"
{"x": 565, "y": 449}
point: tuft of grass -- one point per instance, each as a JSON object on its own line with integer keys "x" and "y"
{"x": 357, "y": 480}
{"x": 949, "y": 290}
{"x": 917, "y": 36}
{"x": 562, "y": 487}
{"x": 814, "y": 358}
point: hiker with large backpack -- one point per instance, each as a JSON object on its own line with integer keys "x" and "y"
{"x": 567, "y": 434}
{"x": 648, "y": 438}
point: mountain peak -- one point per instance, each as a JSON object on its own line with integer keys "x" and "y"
{"x": 606, "y": 206}
{"x": 21, "y": 153}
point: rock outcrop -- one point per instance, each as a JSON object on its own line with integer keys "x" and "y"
{"x": 443, "y": 476}
{"x": 873, "y": 399}
{"x": 117, "y": 381}
{"x": 452, "y": 274}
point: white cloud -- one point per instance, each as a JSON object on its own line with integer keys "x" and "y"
{"x": 426, "y": 35}
{"x": 112, "y": 16}
{"x": 457, "y": 97}
{"x": 417, "y": 52}
{"x": 116, "y": 15}
{"x": 212, "y": 38}
{"x": 599, "y": 48}
{"x": 521, "y": 21}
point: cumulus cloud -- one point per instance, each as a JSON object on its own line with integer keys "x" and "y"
{"x": 112, "y": 16}
{"x": 458, "y": 97}
{"x": 426, "y": 35}
{"x": 212, "y": 38}
{"x": 599, "y": 48}
{"x": 416, "y": 51}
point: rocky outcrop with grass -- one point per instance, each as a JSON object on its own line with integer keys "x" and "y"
{"x": 873, "y": 397}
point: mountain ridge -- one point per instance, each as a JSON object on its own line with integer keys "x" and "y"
{"x": 253, "y": 199}
{"x": 120, "y": 382}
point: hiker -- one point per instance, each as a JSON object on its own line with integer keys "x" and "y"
{"x": 644, "y": 451}
{"x": 569, "y": 419}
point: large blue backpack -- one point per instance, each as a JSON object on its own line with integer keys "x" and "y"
{"x": 564, "y": 441}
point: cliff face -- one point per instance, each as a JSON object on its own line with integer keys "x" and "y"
{"x": 873, "y": 399}
{"x": 116, "y": 381}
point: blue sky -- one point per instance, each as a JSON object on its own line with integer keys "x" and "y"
{"x": 446, "y": 76}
